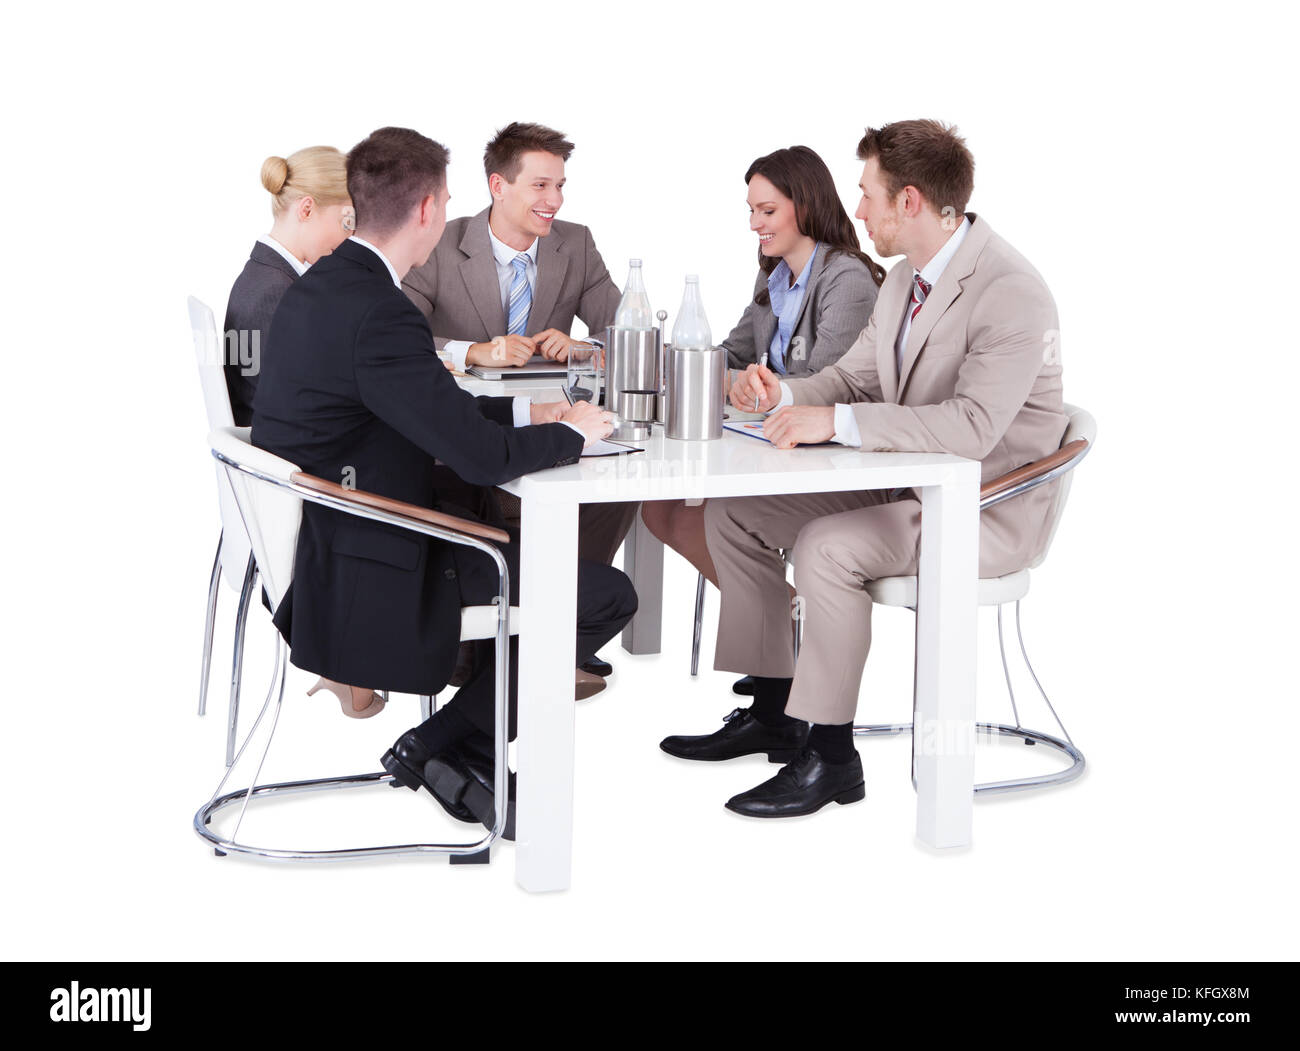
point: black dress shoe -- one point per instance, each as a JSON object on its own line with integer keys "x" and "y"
{"x": 744, "y": 687}
{"x": 407, "y": 761}
{"x": 479, "y": 759}
{"x": 596, "y": 666}
{"x": 741, "y": 734}
{"x": 803, "y": 786}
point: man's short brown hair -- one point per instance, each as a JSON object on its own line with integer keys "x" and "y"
{"x": 390, "y": 172}
{"x": 926, "y": 154}
{"x": 504, "y": 154}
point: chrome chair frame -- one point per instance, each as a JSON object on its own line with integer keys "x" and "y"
{"x": 474, "y": 851}
{"x": 1066, "y": 747}
{"x": 217, "y": 405}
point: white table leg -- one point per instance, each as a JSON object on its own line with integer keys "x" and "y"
{"x": 548, "y": 566}
{"x": 946, "y": 624}
{"x": 643, "y": 562}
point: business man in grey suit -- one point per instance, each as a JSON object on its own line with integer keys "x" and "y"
{"x": 506, "y": 284}
{"x": 960, "y": 356}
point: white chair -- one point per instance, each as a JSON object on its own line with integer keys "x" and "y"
{"x": 1080, "y": 434}
{"x": 234, "y": 558}
{"x": 269, "y": 493}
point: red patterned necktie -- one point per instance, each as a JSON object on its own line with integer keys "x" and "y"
{"x": 920, "y": 289}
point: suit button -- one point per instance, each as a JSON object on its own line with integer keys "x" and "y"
{"x": 450, "y": 574}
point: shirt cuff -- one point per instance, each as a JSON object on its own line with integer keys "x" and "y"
{"x": 576, "y": 429}
{"x": 457, "y": 348}
{"x": 522, "y": 408}
{"x": 846, "y": 426}
{"x": 786, "y": 397}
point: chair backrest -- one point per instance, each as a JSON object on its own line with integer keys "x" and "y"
{"x": 1081, "y": 425}
{"x": 209, "y": 352}
{"x": 267, "y": 505}
{"x": 209, "y": 349}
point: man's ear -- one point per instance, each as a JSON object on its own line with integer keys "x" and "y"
{"x": 304, "y": 208}
{"x": 428, "y": 206}
{"x": 495, "y": 182}
{"x": 913, "y": 202}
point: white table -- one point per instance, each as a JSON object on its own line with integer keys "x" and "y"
{"x": 734, "y": 466}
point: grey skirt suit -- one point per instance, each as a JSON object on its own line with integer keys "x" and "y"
{"x": 836, "y": 306}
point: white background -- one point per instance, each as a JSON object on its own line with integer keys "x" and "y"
{"x": 1140, "y": 155}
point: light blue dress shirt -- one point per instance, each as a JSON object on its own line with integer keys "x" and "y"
{"x": 786, "y": 301}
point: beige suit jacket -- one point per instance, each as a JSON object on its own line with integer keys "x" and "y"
{"x": 981, "y": 378}
{"x": 459, "y": 294}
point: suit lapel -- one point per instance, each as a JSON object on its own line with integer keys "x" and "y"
{"x": 479, "y": 272}
{"x": 818, "y": 266}
{"x": 552, "y": 265}
{"x": 941, "y": 297}
{"x": 889, "y": 319}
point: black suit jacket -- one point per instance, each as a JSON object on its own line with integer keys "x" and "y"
{"x": 355, "y": 393}
{"x": 253, "y": 298}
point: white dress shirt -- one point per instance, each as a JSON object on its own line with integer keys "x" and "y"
{"x": 504, "y": 257}
{"x": 846, "y": 425}
{"x": 298, "y": 265}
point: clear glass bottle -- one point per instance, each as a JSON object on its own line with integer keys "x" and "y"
{"x": 691, "y": 329}
{"x": 634, "y": 308}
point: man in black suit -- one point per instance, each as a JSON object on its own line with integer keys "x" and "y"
{"x": 356, "y": 393}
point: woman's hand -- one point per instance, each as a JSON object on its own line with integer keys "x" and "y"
{"x": 756, "y": 390}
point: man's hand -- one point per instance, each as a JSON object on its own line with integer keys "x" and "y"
{"x": 501, "y": 352}
{"x": 757, "y": 381}
{"x": 593, "y": 422}
{"x": 547, "y": 411}
{"x": 553, "y": 344}
{"x": 800, "y": 425}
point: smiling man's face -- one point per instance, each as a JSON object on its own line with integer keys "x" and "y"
{"x": 526, "y": 207}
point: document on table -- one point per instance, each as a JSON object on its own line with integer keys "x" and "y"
{"x": 750, "y": 428}
{"x": 607, "y": 448}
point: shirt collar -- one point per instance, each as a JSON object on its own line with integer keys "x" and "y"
{"x": 391, "y": 270}
{"x": 504, "y": 254}
{"x": 299, "y": 267}
{"x": 935, "y": 267}
{"x": 778, "y": 281}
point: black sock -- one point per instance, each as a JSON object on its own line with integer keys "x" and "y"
{"x": 770, "y": 696}
{"x": 445, "y": 728}
{"x": 832, "y": 743}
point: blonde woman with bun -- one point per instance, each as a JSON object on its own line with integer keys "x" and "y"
{"x": 312, "y": 215}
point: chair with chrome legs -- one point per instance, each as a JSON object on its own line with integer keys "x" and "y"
{"x": 269, "y": 493}
{"x": 234, "y": 557}
{"x": 1080, "y": 434}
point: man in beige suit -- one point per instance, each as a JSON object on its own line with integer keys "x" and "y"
{"x": 960, "y": 356}
{"x": 505, "y": 285}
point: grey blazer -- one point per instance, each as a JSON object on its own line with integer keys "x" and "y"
{"x": 459, "y": 294}
{"x": 836, "y": 306}
{"x": 253, "y": 298}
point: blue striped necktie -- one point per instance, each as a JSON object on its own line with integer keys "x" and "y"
{"x": 521, "y": 298}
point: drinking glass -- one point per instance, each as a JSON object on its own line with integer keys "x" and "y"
{"x": 584, "y": 371}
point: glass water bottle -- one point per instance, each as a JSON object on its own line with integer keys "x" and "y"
{"x": 634, "y": 308}
{"x": 691, "y": 329}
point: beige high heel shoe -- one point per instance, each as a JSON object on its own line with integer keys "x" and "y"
{"x": 344, "y": 694}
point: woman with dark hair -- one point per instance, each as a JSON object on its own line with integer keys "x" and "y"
{"x": 814, "y": 294}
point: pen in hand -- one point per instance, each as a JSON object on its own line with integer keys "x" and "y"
{"x": 762, "y": 364}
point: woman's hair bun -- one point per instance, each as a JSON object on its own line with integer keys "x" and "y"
{"x": 275, "y": 173}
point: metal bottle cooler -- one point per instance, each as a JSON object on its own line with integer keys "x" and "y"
{"x": 633, "y": 370}
{"x": 696, "y": 393}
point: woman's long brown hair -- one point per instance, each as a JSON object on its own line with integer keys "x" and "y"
{"x": 802, "y": 176}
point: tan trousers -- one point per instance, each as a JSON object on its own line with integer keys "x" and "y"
{"x": 840, "y": 541}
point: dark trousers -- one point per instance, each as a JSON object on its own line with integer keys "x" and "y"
{"x": 606, "y": 602}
